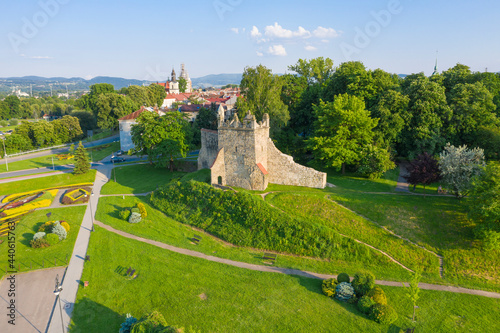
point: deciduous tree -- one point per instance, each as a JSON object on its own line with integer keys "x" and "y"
{"x": 423, "y": 170}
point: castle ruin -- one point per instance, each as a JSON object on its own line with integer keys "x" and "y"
{"x": 240, "y": 153}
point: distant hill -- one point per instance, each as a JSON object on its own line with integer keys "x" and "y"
{"x": 216, "y": 80}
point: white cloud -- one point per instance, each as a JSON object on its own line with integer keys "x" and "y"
{"x": 321, "y": 32}
{"x": 255, "y": 32}
{"x": 310, "y": 48}
{"x": 277, "y": 31}
{"x": 260, "y": 54}
{"x": 277, "y": 50}
{"x": 35, "y": 57}
{"x": 235, "y": 30}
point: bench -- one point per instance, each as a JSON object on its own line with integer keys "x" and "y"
{"x": 196, "y": 239}
{"x": 270, "y": 256}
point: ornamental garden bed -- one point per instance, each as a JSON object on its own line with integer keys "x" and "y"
{"x": 76, "y": 195}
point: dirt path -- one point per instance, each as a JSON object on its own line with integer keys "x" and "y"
{"x": 289, "y": 271}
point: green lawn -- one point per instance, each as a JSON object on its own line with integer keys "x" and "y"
{"x": 162, "y": 228}
{"x": 387, "y": 183}
{"x": 138, "y": 178}
{"x": 30, "y": 259}
{"x": 101, "y": 135}
{"x": 211, "y": 297}
{"x": 46, "y": 182}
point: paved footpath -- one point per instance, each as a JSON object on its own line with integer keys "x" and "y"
{"x": 34, "y": 300}
{"x": 289, "y": 271}
{"x": 71, "y": 280}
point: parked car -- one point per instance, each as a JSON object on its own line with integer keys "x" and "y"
{"x": 117, "y": 159}
{"x": 119, "y": 153}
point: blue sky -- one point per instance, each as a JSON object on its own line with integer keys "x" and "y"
{"x": 144, "y": 39}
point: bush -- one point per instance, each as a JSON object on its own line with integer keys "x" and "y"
{"x": 378, "y": 295}
{"x": 365, "y": 303}
{"x": 13, "y": 122}
{"x": 135, "y": 218}
{"x": 4, "y": 123}
{"x": 52, "y": 239}
{"x": 135, "y": 210}
{"x": 39, "y": 243}
{"x": 363, "y": 282}
{"x": 142, "y": 210}
{"x": 59, "y": 230}
{"x": 39, "y": 235}
{"x": 328, "y": 287}
{"x": 125, "y": 214}
{"x": 127, "y": 325}
{"x": 344, "y": 291}
{"x": 152, "y": 323}
{"x": 383, "y": 314}
{"x": 343, "y": 277}
{"x": 65, "y": 225}
{"x": 491, "y": 240}
{"x": 46, "y": 227}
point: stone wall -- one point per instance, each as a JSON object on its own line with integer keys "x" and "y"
{"x": 284, "y": 171}
{"x": 209, "y": 149}
{"x": 218, "y": 169}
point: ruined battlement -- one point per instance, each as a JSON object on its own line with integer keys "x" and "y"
{"x": 241, "y": 154}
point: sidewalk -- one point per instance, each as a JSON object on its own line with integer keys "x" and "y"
{"x": 71, "y": 280}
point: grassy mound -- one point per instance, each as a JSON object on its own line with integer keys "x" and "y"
{"x": 246, "y": 220}
{"x": 202, "y": 175}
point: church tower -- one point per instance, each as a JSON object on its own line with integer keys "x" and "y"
{"x": 174, "y": 77}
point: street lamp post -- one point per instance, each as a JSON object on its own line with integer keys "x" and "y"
{"x": 114, "y": 171}
{"x": 57, "y": 291}
{"x": 5, "y": 154}
{"x": 90, "y": 203}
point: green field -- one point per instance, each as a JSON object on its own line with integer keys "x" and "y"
{"x": 140, "y": 178}
{"x": 46, "y": 182}
{"x": 212, "y": 297}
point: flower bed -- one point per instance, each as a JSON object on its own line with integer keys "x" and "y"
{"x": 76, "y": 196}
{"x": 14, "y": 196}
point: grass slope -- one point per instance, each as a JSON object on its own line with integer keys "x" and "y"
{"x": 211, "y": 297}
{"x": 164, "y": 229}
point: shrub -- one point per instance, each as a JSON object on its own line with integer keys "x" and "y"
{"x": 344, "y": 291}
{"x": 328, "y": 287}
{"x": 127, "y": 325}
{"x": 46, "y": 227}
{"x": 153, "y": 322}
{"x": 365, "y": 303}
{"x": 13, "y": 122}
{"x": 135, "y": 218}
{"x": 142, "y": 210}
{"x": 39, "y": 243}
{"x": 383, "y": 314}
{"x": 343, "y": 277}
{"x": 52, "y": 239}
{"x": 363, "y": 282}
{"x": 378, "y": 295}
{"x": 135, "y": 210}
{"x": 125, "y": 214}
{"x": 39, "y": 235}
{"x": 4, "y": 123}
{"x": 59, "y": 230}
{"x": 65, "y": 225}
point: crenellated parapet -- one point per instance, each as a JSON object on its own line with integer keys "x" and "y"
{"x": 249, "y": 122}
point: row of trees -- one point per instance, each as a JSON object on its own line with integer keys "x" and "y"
{"x": 32, "y": 135}
{"x": 380, "y": 113}
{"x": 13, "y": 107}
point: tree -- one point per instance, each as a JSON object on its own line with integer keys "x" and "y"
{"x": 413, "y": 291}
{"x": 89, "y": 101}
{"x": 67, "y": 129}
{"x": 111, "y": 107}
{"x": 86, "y": 120}
{"x": 14, "y": 105}
{"x": 423, "y": 170}
{"x": 262, "y": 91}
{"x": 140, "y": 96}
{"x": 392, "y": 111}
{"x": 16, "y": 143}
{"x": 458, "y": 166}
{"x": 456, "y": 75}
{"x": 484, "y": 209}
{"x": 157, "y": 94}
{"x": 162, "y": 138}
{"x": 207, "y": 119}
{"x": 182, "y": 85}
{"x": 342, "y": 131}
{"x": 82, "y": 161}
{"x": 472, "y": 106}
{"x": 4, "y": 110}
{"x": 316, "y": 70}
{"x": 374, "y": 162}
{"x": 428, "y": 125}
